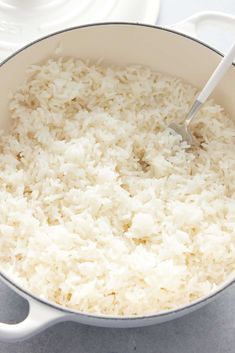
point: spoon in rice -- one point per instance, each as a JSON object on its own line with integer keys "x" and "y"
{"x": 184, "y": 128}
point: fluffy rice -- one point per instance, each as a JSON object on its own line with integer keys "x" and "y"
{"x": 103, "y": 209}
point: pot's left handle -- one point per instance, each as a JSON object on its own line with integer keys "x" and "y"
{"x": 39, "y": 317}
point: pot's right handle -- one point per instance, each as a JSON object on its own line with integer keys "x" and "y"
{"x": 39, "y": 317}
{"x": 219, "y": 20}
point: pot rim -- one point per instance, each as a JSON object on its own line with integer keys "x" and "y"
{"x": 165, "y": 313}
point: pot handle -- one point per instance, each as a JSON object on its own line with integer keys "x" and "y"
{"x": 192, "y": 24}
{"x": 39, "y": 317}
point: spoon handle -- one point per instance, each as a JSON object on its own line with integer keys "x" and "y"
{"x": 217, "y": 75}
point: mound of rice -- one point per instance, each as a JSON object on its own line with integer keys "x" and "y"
{"x": 103, "y": 208}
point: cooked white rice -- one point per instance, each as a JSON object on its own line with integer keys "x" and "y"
{"x": 103, "y": 209}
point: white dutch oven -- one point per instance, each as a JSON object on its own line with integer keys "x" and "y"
{"x": 162, "y": 49}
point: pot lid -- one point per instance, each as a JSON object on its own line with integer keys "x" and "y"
{"x": 22, "y": 21}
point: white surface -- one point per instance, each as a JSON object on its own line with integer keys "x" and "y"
{"x": 173, "y": 11}
{"x": 24, "y": 21}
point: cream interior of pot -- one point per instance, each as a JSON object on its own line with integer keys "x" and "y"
{"x": 120, "y": 44}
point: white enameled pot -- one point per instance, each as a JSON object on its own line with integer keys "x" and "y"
{"x": 163, "y": 49}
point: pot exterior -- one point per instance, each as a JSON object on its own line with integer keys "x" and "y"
{"x": 136, "y": 322}
{"x": 121, "y": 44}
{"x": 43, "y": 314}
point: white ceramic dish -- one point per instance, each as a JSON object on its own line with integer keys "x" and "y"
{"x": 24, "y": 21}
{"x": 162, "y": 49}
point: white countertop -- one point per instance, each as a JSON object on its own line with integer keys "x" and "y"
{"x": 176, "y": 10}
{"x": 208, "y": 330}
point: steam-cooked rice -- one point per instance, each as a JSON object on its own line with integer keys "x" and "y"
{"x": 103, "y": 208}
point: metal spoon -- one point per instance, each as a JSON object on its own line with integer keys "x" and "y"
{"x": 183, "y": 128}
